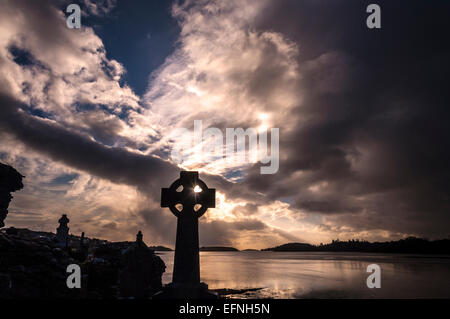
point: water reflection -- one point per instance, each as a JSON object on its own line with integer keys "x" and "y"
{"x": 321, "y": 275}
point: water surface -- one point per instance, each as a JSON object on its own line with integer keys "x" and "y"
{"x": 321, "y": 275}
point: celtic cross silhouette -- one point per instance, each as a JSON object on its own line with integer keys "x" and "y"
{"x": 188, "y": 198}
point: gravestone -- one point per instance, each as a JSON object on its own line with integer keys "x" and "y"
{"x": 139, "y": 239}
{"x": 82, "y": 240}
{"x": 83, "y": 249}
{"x": 62, "y": 232}
{"x": 142, "y": 271}
{"x": 188, "y": 198}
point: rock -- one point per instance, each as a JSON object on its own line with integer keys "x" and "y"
{"x": 32, "y": 265}
{"x": 10, "y": 181}
{"x": 12, "y": 231}
{"x": 103, "y": 272}
{"x": 32, "y": 270}
{"x": 5, "y": 285}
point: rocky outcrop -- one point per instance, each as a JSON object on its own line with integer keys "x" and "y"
{"x": 124, "y": 270}
{"x": 33, "y": 265}
{"x": 10, "y": 181}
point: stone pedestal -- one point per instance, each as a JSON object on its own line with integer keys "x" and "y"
{"x": 186, "y": 291}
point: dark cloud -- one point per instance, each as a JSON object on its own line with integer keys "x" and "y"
{"x": 373, "y": 135}
{"x": 160, "y": 224}
{"x": 115, "y": 164}
{"x": 110, "y": 226}
{"x": 225, "y": 233}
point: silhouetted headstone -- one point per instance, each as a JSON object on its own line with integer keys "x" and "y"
{"x": 62, "y": 232}
{"x": 83, "y": 249}
{"x": 139, "y": 240}
{"x": 188, "y": 198}
{"x": 10, "y": 181}
{"x": 141, "y": 275}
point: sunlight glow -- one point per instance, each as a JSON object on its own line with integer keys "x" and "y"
{"x": 264, "y": 120}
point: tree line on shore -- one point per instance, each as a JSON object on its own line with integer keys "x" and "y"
{"x": 408, "y": 245}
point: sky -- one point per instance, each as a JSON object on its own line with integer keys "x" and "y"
{"x": 88, "y": 115}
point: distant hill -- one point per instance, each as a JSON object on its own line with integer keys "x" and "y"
{"x": 249, "y": 249}
{"x": 218, "y": 248}
{"x": 410, "y": 245}
{"x": 292, "y": 247}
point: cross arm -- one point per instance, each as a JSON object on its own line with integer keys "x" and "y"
{"x": 208, "y": 198}
{"x": 168, "y": 197}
